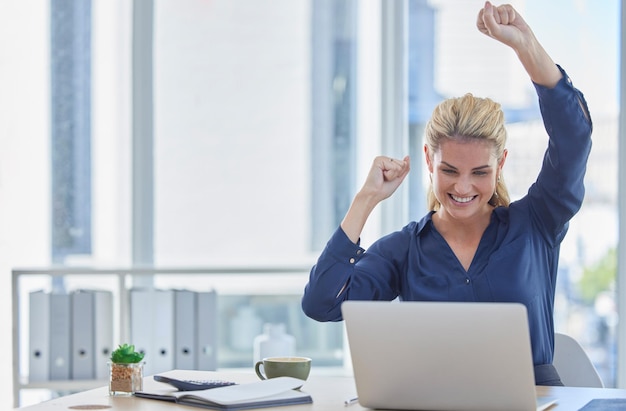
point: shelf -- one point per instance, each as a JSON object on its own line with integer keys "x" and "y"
{"x": 264, "y": 284}
{"x": 62, "y": 385}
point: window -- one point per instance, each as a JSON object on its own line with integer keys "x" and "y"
{"x": 70, "y": 129}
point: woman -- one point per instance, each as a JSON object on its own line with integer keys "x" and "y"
{"x": 473, "y": 245}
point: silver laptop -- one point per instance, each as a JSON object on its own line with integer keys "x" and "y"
{"x": 442, "y": 356}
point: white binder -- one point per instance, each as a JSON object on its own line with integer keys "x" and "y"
{"x": 206, "y": 325}
{"x": 39, "y": 337}
{"x": 60, "y": 336}
{"x": 103, "y": 333}
{"x": 184, "y": 330}
{"x": 141, "y": 324}
{"x": 152, "y": 328}
{"x": 163, "y": 331}
{"x": 83, "y": 332}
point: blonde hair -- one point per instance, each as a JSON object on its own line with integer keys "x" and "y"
{"x": 468, "y": 118}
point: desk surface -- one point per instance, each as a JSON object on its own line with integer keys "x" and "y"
{"x": 329, "y": 393}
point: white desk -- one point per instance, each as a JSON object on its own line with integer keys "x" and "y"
{"x": 329, "y": 394}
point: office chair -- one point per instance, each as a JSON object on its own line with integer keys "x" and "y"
{"x": 573, "y": 364}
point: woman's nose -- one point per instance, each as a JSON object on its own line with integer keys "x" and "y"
{"x": 462, "y": 185}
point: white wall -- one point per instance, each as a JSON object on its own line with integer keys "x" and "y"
{"x": 232, "y": 171}
{"x": 24, "y": 160}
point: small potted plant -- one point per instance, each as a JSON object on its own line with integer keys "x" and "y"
{"x": 126, "y": 371}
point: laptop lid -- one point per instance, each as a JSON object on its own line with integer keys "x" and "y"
{"x": 441, "y": 355}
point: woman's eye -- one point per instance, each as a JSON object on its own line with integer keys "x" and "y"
{"x": 480, "y": 173}
{"x": 448, "y": 171}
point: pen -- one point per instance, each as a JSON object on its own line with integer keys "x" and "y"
{"x": 351, "y": 401}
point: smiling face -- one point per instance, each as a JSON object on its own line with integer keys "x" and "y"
{"x": 464, "y": 174}
{"x": 474, "y": 133}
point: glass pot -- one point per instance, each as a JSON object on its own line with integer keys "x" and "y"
{"x": 125, "y": 379}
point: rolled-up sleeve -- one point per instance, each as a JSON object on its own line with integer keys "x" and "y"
{"x": 329, "y": 276}
{"x": 344, "y": 271}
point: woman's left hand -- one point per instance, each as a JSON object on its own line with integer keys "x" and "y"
{"x": 504, "y": 24}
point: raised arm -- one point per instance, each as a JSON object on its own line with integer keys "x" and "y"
{"x": 558, "y": 192}
{"x": 385, "y": 176}
{"x": 506, "y": 25}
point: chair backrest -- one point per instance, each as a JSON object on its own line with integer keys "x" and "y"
{"x": 573, "y": 364}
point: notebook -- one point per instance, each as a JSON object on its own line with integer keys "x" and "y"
{"x": 442, "y": 356}
{"x": 273, "y": 392}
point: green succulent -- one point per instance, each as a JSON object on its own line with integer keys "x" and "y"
{"x": 126, "y": 354}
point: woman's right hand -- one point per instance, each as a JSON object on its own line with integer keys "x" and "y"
{"x": 383, "y": 179}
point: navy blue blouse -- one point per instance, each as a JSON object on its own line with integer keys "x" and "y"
{"x": 516, "y": 259}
